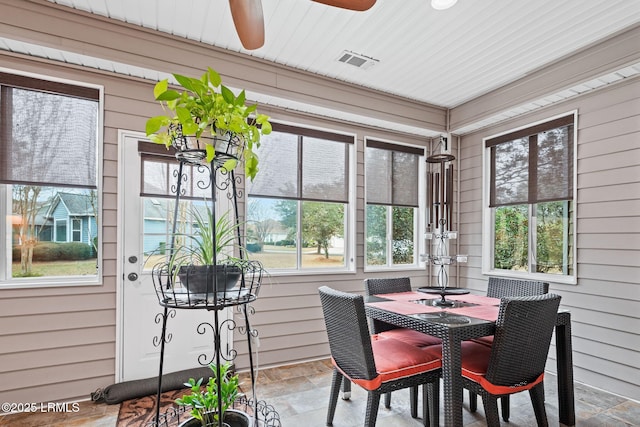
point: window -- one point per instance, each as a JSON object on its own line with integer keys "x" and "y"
{"x": 61, "y": 230}
{"x": 76, "y": 232}
{"x": 48, "y": 181}
{"x": 392, "y": 186}
{"x": 530, "y": 213}
{"x": 298, "y": 212}
{"x": 158, "y": 186}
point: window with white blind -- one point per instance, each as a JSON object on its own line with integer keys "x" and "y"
{"x": 392, "y": 204}
{"x": 299, "y": 208}
{"x": 48, "y": 182}
{"x": 530, "y": 212}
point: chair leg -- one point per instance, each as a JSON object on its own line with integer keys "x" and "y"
{"x": 491, "y": 410}
{"x": 537, "y": 400}
{"x": 346, "y": 389}
{"x": 333, "y": 397}
{"x": 413, "y": 401}
{"x": 473, "y": 401}
{"x": 504, "y": 406}
{"x": 426, "y": 403}
{"x": 373, "y": 402}
{"x": 434, "y": 403}
{"x": 387, "y": 400}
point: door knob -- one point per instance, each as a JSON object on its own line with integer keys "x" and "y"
{"x": 132, "y": 277}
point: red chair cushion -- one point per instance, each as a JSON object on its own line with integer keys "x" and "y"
{"x": 412, "y": 337}
{"x": 394, "y": 360}
{"x": 475, "y": 362}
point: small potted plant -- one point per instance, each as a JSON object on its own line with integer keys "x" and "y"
{"x": 218, "y": 394}
{"x": 205, "y": 122}
{"x": 199, "y": 259}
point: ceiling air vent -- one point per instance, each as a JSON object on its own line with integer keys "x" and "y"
{"x": 357, "y": 60}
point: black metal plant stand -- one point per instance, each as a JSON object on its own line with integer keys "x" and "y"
{"x": 173, "y": 287}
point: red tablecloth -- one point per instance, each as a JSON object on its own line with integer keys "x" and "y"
{"x": 474, "y": 299}
{"x": 485, "y": 312}
{"x": 405, "y": 307}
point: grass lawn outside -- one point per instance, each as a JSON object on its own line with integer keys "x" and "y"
{"x": 59, "y": 268}
{"x": 277, "y": 257}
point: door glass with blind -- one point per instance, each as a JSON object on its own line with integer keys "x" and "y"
{"x": 392, "y": 190}
{"x": 48, "y": 182}
{"x": 298, "y": 206}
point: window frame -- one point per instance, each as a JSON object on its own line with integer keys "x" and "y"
{"x": 488, "y": 212}
{"x": 419, "y": 216}
{"x": 65, "y": 87}
{"x": 350, "y": 140}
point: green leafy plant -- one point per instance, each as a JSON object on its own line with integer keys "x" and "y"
{"x": 204, "y": 401}
{"x": 198, "y": 258}
{"x": 206, "y": 108}
{"x": 203, "y": 249}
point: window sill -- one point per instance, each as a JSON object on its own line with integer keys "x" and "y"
{"x": 551, "y": 278}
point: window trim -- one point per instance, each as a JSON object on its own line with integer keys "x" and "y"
{"x": 82, "y": 89}
{"x": 488, "y": 218}
{"x": 419, "y": 218}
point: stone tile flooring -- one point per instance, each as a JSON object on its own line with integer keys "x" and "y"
{"x": 300, "y": 394}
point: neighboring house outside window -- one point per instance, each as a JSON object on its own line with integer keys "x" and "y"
{"x": 392, "y": 204}
{"x": 299, "y": 216}
{"x": 530, "y": 213}
{"x": 48, "y": 181}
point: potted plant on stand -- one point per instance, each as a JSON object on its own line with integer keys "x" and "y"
{"x": 206, "y": 122}
{"x": 203, "y": 256}
{"x": 204, "y": 401}
{"x": 208, "y": 125}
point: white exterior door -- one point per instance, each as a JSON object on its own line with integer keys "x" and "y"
{"x": 145, "y": 227}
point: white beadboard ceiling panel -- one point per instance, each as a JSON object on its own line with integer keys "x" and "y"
{"x": 444, "y": 58}
{"x": 440, "y": 57}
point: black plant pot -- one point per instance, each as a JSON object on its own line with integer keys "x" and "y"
{"x": 232, "y": 418}
{"x": 199, "y": 279}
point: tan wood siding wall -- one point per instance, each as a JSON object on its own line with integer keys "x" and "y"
{"x": 605, "y": 303}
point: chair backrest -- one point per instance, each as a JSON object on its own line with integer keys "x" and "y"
{"x": 500, "y": 287}
{"x": 522, "y": 339}
{"x": 349, "y": 339}
{"x": 385, "y": 286}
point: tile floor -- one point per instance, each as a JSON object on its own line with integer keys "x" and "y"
{"x": 300, "y": 395}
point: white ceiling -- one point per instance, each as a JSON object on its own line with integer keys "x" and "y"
{"x": 439, "y": 57}
{"x": 444, "y": 58}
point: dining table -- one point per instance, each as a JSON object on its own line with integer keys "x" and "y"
{"x": 466, "y": 317}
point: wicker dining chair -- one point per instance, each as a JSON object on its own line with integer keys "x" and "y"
{"x": 501, "y": 287}
{"x": 516, "y": 360}
{"x": 377, "y": 364}
{"x": 410, "y": 336}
